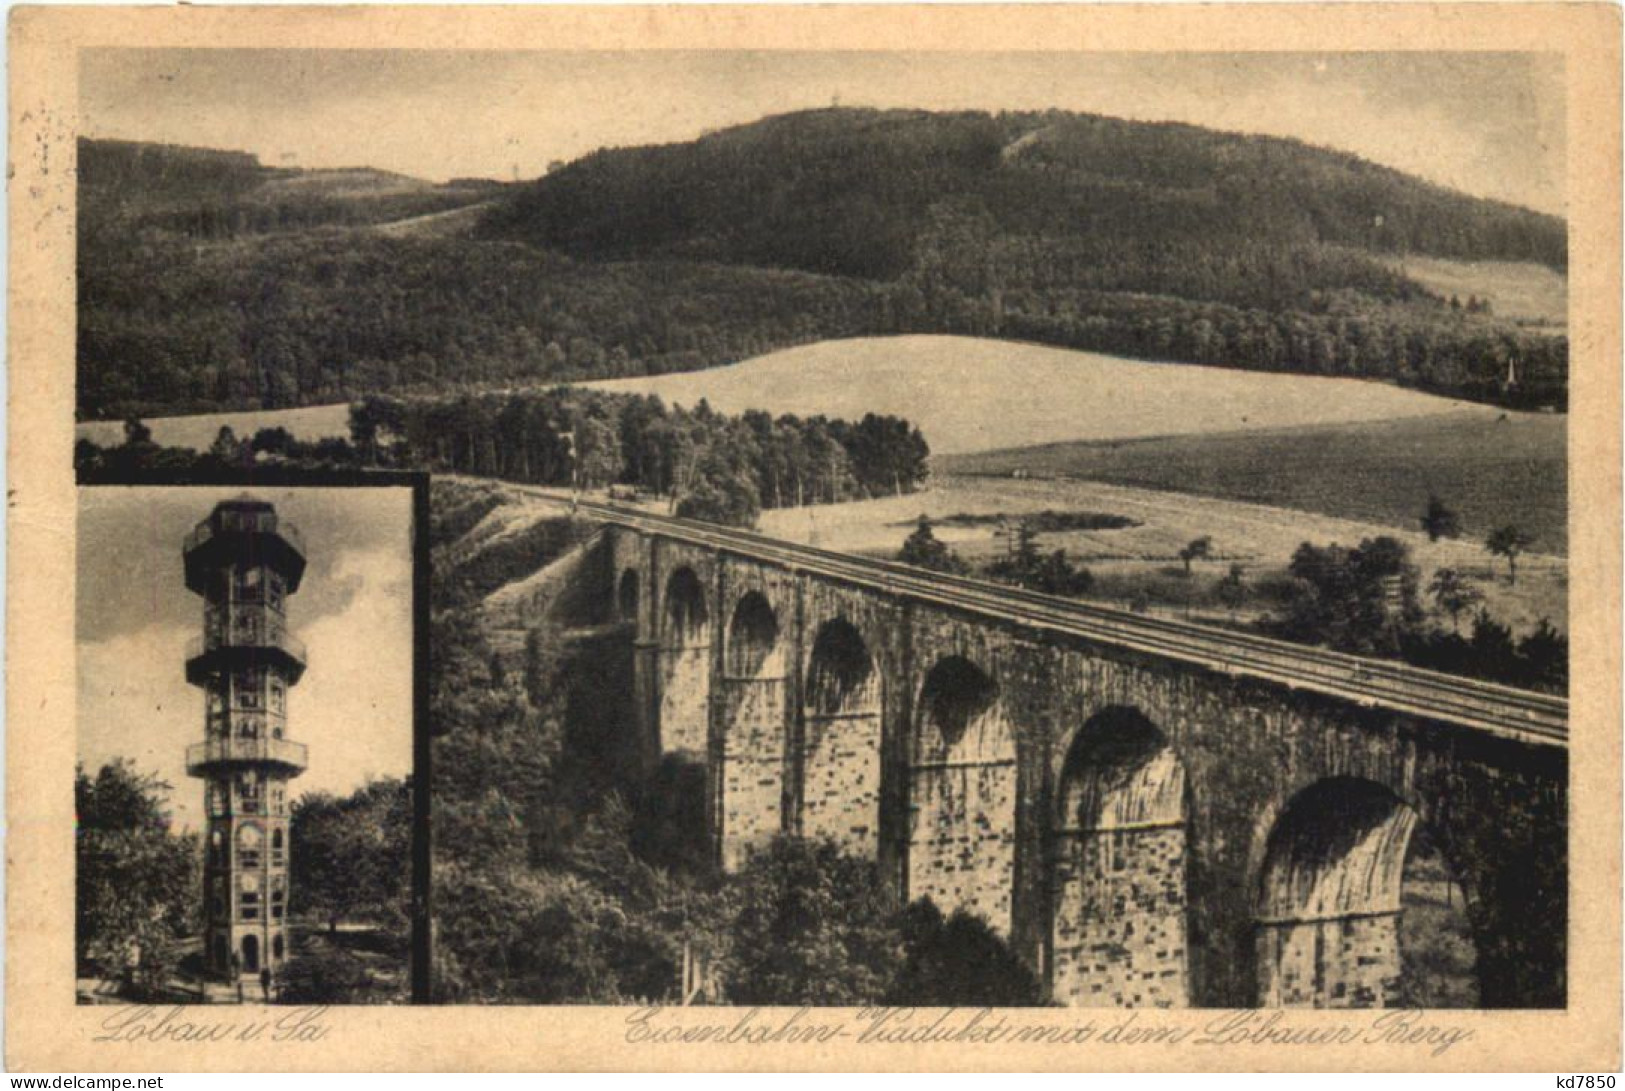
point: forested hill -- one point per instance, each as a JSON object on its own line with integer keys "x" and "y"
{"x": 127, "y": 188}
{"x": 210, "y": 281}
{"x": 877, "y": 193}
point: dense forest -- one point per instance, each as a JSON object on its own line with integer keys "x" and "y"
{"x": 879, "y": 194}
{"x": 208, "y": 281}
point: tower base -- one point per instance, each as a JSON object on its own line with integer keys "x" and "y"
{"x": 245, "y": 948}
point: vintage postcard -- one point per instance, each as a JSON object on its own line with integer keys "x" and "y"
{"x": 288, "y": 872}
{"x": 907, "y": 537}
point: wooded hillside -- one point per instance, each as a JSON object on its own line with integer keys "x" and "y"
{"x": 208, "y": 281}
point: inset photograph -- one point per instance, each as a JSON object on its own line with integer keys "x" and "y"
{"x": 243, "y": 790}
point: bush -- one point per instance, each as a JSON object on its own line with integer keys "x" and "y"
{"x": 326, "y": 975}
{"x": 812, "y": 927}
{"x": 958, "y": 961}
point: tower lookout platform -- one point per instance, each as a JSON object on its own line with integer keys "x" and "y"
{"x": 245, "y": 562}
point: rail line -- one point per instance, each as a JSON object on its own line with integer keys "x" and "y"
{"x": 1503, "y": 711}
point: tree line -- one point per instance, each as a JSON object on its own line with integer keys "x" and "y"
{"x": 1367, "y": 599}
{"x": 710, "y": 465}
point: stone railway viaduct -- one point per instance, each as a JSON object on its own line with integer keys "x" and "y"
{"x": 1153, "y": 813}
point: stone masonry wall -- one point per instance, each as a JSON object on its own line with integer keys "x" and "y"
{"x": 961, "y": 853}
{"x": 685, "y": 697}
{"x": 844, "y": 752}
{"x": 753, "y": 758}
{"x": 1120, "y": 918}
{"x": 982, "y": 836}
{"x": 840, "y": 796}
{"x": 1345, "y": 963}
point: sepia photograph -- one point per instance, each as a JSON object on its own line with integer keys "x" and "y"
{"x": 975, "y": 530}
{"x": 841, "y": 537}
{"x": 243, "y": 793}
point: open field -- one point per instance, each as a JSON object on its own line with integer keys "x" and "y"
{"x": 973, "y": 394}
{"x": 965, "y": 393}
{"x": 1519, "y": 290}
{"x": 455, "y": 221}
{"x": 1259, "y": 538}
{"x": 1491, "y": 471}
{"x": 310, "y": 423}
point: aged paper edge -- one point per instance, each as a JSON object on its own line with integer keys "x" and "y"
{"x": 45, "y": 1029}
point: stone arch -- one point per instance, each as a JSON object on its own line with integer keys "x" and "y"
{"x": 626, "y": 597}
{"x": 1119, "y": 935}
{"x": 1329, "y": 897}
{"x": 752, "y": 649}
{"x": 749, "y": 765}
{"x": 685, "y": 665}
{"x": 687, "y": 616}
{"x": 841, "y": 739}
{"x": 962, "y": 794}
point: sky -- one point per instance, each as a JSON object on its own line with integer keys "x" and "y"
{"x": 353, "y": 610}
{"x": 1488, "y": 124}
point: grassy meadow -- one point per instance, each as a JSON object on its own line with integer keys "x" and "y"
{"x": 1520, "y": 290}
{"x": 966, "y": 394}
{"x": 198, "y": 431}
{"x": 1509, "y": 468}
{"x": 976, "y": 394}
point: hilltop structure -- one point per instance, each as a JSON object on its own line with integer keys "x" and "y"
{"x": 245, "y": 562}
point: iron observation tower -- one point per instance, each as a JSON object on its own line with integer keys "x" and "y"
{"x": 245, "y": 562}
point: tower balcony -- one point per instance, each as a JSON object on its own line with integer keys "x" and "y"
{"x": 238, "y": 530}
{"x": 221, "y": 755}
{"x": 215, "y": 653}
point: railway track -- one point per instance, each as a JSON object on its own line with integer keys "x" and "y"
{"x": 1500, "y": 710}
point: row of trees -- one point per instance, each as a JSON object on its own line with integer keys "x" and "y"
{"x": 1438, "y": 350}
{"x": 713, "y": 466}
{"x": 140, "y": 454}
